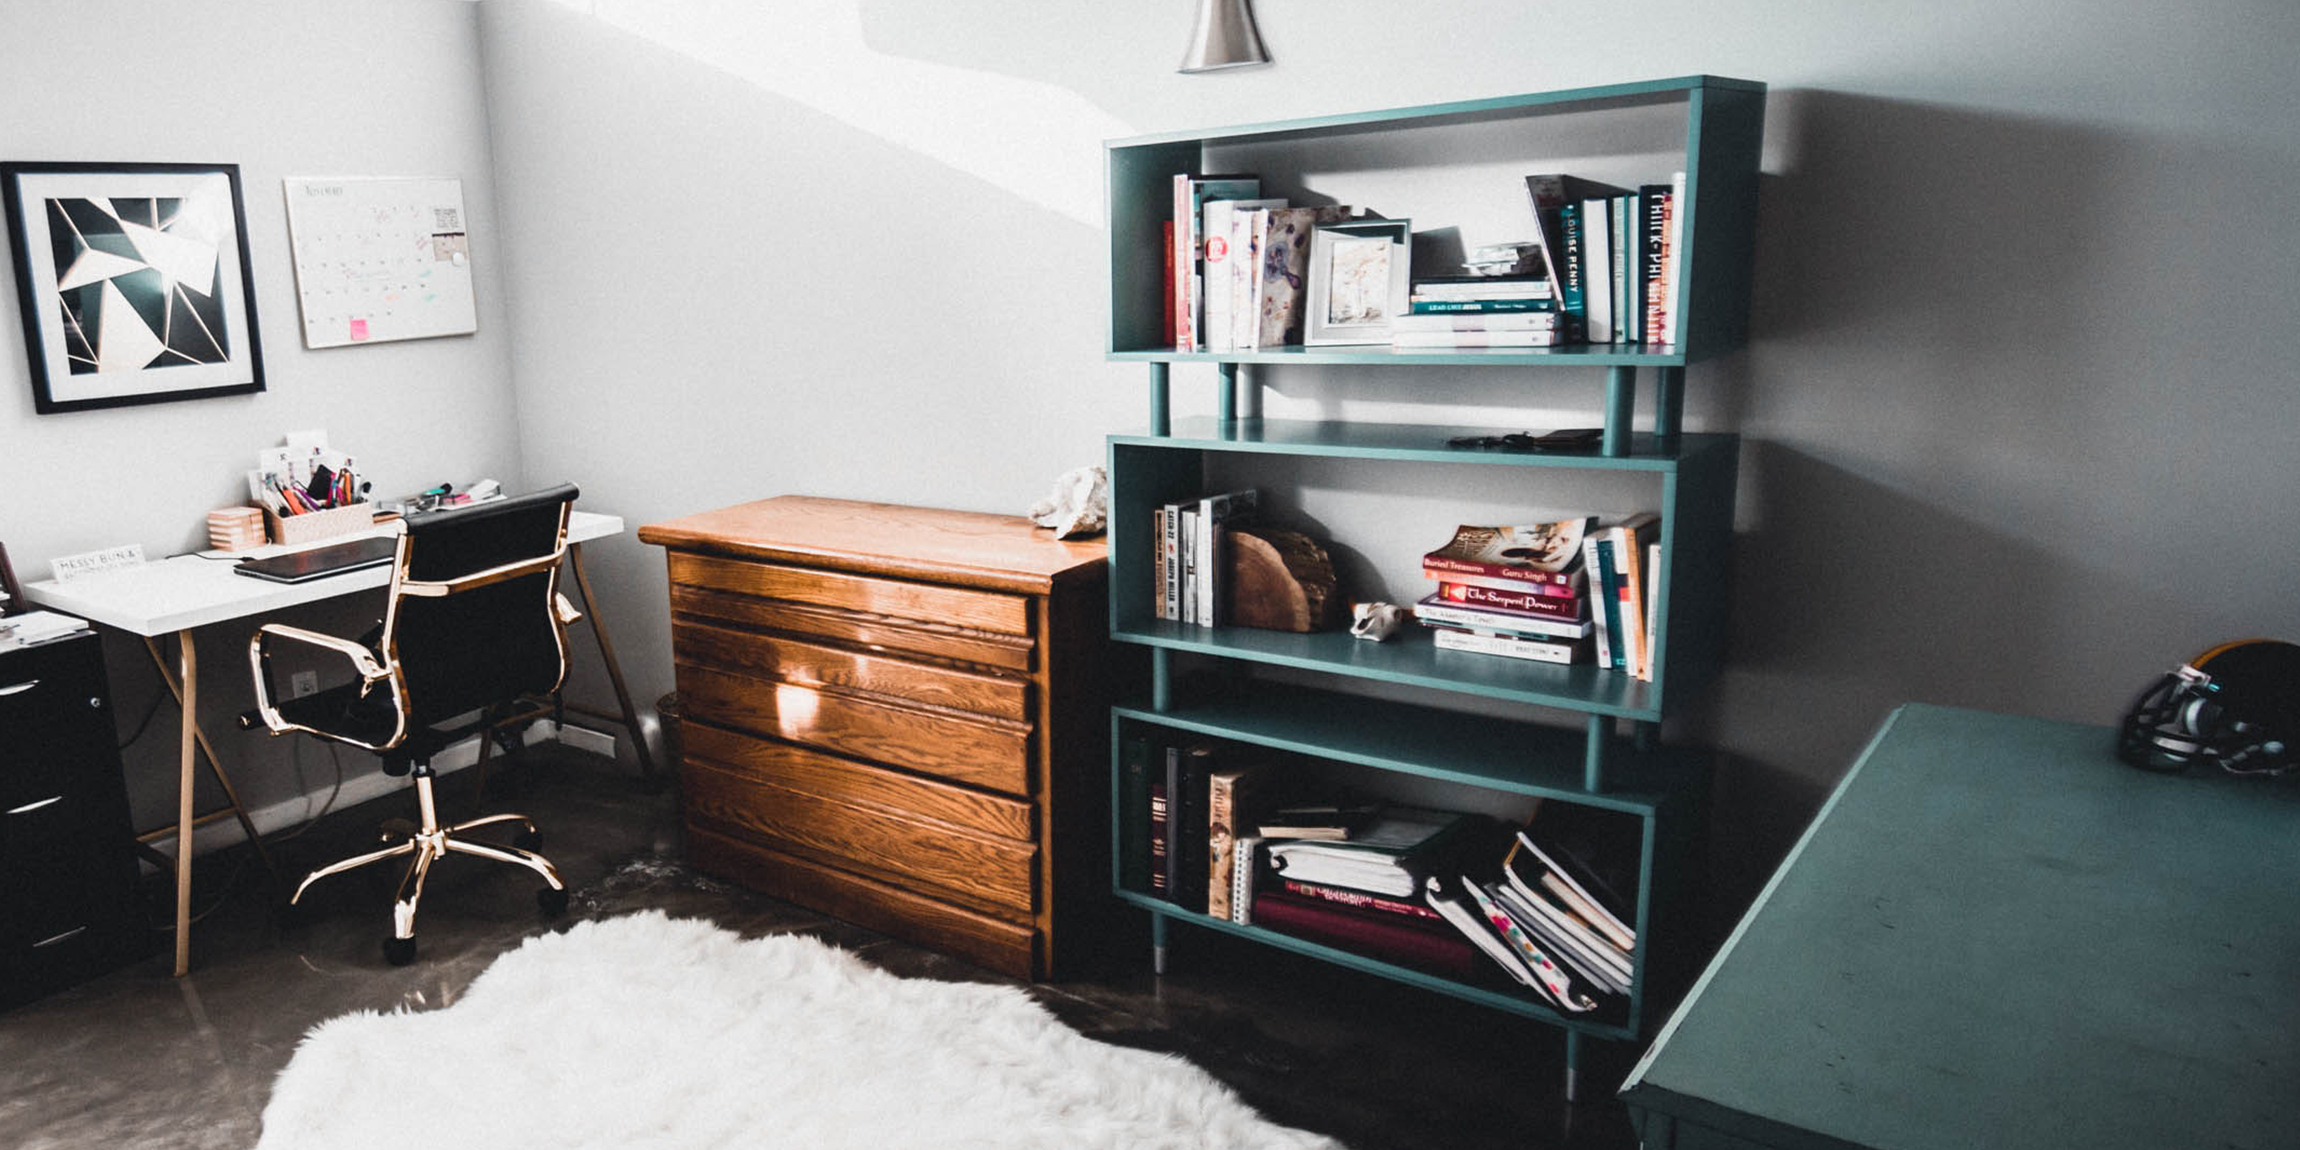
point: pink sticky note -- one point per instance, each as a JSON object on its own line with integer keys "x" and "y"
{"x": 358, "y": 330}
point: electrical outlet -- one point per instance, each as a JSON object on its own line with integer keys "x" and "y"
{"x": 303, "y": 683}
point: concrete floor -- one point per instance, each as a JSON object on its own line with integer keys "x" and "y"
{"x": 138, "y": 1059}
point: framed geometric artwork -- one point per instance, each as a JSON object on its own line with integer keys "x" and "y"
{"x": 133, "y": 279}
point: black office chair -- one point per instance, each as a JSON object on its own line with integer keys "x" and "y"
{"x": 473, "y": 639}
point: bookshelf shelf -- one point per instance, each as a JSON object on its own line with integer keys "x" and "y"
{"x": 1604, "y": 1024}
{"x": 1403, "y": 163}
{"x": 1496, "y": 754}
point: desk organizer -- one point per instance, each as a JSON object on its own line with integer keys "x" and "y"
{"x": 313, "y": 526}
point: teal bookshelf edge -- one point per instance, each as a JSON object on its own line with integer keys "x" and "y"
{"x": 1560, "y": 100}
{"x": 1498, "y": 1000}
{"x": 1417, "y": 443}
{"x": 1508, "y": 755}
{"x": 1413, "y": 660}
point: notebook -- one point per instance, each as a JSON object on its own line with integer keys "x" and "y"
{"x": 319, "y": 562}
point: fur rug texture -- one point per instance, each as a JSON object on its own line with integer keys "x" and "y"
{"x": 653, "y": 1032}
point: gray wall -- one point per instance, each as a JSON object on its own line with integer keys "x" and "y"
{"x": 281, "y": 88}
{"x": 2016, "y": 433}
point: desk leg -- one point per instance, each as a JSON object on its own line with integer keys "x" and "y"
{"x": 607, "y": 654}
{"x": 215, "y": 764}
{"x": 188, "y": 746}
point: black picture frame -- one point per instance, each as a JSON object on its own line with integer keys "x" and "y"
{"x": 106, "y": 258}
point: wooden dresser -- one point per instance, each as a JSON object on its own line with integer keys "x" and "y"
{"x": 897, "y": 716}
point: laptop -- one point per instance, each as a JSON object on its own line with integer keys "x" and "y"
{"x": 320, "y": 562}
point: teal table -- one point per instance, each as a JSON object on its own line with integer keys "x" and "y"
{"x": 1995, "y": 934}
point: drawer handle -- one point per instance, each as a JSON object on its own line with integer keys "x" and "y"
{"x": 20, "y": 688}
{"x": 59, "y": 938}
{"x": 27, "y": 808}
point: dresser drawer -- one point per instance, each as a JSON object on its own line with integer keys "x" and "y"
{"x": 797, "y": 768}
{"x": 918, "y": 637}
{"x": 818, "y": 665}
{"x": 986, "y": 873}
{"x": 961, "y": 607}
{"x": 55, "y": 727}
{"x": 982, "y": 752}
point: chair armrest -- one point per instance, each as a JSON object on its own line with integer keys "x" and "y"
{"x": 361, "y": 658}
{"x": 259, "y": 664}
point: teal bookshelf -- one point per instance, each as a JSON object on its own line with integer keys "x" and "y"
{"x": 1566, "y": 734}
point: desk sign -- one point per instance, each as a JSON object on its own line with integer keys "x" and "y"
{"x": 70, "y": 567}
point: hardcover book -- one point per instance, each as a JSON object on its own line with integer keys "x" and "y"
{"x": 1190, "y": 196}
{"x": 1286, "y": 270}
{"x": 1513, "y": 599}
{"x": 1549, "y": 195}
{"x": 1403, "y": 942}
{"x": 1534, "y": 650}
{"x": 1134, "y": 812}
{"x": 1436, "y": 609}
{"x": 1229, "y": 803}
{"x": 1531, "y": 553}
{"x": 1214, "y": 512}
{"x": 1360, "y": 900}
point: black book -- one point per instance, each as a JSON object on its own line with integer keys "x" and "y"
{"x": 1166, "y": 804}
{"x": 1190, "y": 844}
{"x": 1134, "y": 814}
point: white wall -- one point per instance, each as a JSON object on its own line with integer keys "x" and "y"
{"x": 281, "y": 88}
{"x": 2016, "y": 413}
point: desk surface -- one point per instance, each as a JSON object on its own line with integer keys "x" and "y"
{"x": 190, "y": 591}
{"x": 1995, "y": 934}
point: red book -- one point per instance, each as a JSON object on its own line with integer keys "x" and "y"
{"x": 1360, "y": 900}
{"x": 1575, "y": 581}
{"x": 1406, "y": 942}
{"x": 1563, "y": 609}
{"x": 1168, "y": 248}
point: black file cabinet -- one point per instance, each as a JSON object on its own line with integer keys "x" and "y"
{"x": 69, "y": 904}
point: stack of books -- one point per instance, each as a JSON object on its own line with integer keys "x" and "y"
{"x": 1362, "y": 893}
{"x": 1517, "y": 309}
{"x": 1190, "y": 569}
{"x": 1553, "y": 920}
{"x": 1515, "y": 591}
{"x": 236, "y": 528}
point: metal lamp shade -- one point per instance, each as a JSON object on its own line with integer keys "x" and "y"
{"x": 1224, "y": 37}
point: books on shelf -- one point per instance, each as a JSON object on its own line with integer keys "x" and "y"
{"x": 1190, "y": 569}
{"x": 1616, "y": 559}
{"x": 1229, "y": 810}
{"x": 1400, "y": 941}
{"x": 1548, "y": 976}
{"x": 1538, "y": 650}
{"x": 1359, "y": 900}
{"x": 1565, "y": 851}
{"x": 1438, "y": 610}
{"x": 1540, "y": 321}
{"x": 1530, "y": 554}
{"x": 1229, "y": 228}
{"x": 1389, "y": 857}
{"x": 1325, "y": 821}
{"x": 1189, "y": 290}
{"x": 1525, "y": 337}
{"x": 1550, "y": 194}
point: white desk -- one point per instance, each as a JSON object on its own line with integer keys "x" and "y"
{"x": 176, "y": 595}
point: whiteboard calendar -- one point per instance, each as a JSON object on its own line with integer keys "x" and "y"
{"x": 380, "y": 259}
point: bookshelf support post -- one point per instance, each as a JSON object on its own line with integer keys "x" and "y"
{"x": 1161, "y": 679}
{"x": 1157, "y": 943}
{"x": 1226, "y": 397}
{"x": 1596, "y": 747}
{"x": 1161, "y": 421}
{"x": 1668, "y": 406}
{"x": 1249, "y": 392}
{"x": 1573, "y": 1066}
{"x": 1620, "y": 408}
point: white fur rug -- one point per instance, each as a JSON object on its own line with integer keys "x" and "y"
{"x": 654, "y": 1032}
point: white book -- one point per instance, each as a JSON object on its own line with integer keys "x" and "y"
{"x": 1597, "y": 261}
{"x": 1542, "y": 338}
{"x": 1186, "y": 539}
{"x": 1480, "y": 321}
{"x": 1531, "y": 649}
{"x": 1213, "y": 512}
{"x": 1242, "y": 880}
{"x": 1676, "y": 272}
{"x": 1466, "y": 921}
{"x": 1222, "y": 258}
{"x": 1434, "y": 609}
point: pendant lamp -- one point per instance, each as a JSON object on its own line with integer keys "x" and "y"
{"x": 1224, "y": 37}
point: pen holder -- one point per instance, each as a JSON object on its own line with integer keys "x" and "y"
{"x": 313, "y": 526}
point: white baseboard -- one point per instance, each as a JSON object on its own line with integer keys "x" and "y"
{"x": 359, "y": 788}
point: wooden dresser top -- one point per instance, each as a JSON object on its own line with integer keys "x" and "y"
{"x": 963, "y": 548}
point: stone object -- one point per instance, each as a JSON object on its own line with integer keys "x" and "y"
{"x": 1078, "y": 506}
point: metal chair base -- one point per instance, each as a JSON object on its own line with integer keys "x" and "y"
{"x": 429, "y": 842}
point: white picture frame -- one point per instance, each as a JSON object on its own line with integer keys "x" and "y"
{"x": 1360, "y": 276}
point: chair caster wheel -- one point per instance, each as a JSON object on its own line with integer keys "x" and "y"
{"x": 528, "y": 839}
{"x": 399, "y": 951}
{"x": 552, "y": 901}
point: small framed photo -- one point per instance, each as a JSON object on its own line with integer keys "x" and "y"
{"x": 1358, "y": 280}
{"x": 133, "y": 280}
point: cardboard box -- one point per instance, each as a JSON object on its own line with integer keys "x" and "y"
{"x": 313, "y": 526}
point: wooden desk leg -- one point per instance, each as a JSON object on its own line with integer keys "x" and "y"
{"x": 215, "y": 764}
{"x": 188, "y": 745}
{"x": 607, "y": 653}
